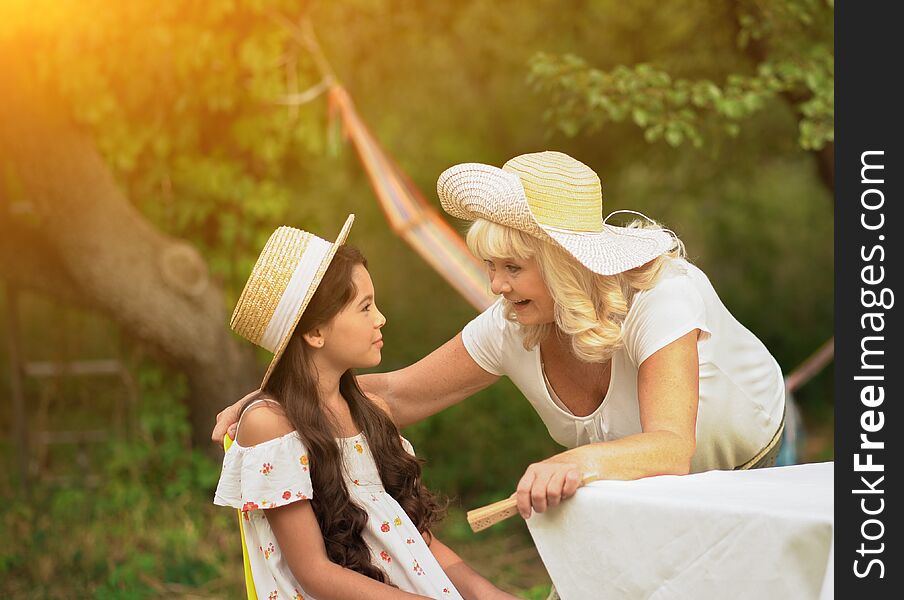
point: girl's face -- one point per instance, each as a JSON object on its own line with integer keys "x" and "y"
{"x": 353, "y": 339}
{"x": 519, "y": 281}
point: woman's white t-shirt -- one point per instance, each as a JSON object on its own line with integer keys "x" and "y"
{"x": 742, "y": 392}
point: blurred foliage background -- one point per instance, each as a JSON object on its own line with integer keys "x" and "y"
{"x": 714, "y": 117}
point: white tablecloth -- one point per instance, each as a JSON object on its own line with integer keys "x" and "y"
{"x": 765, "y": 533}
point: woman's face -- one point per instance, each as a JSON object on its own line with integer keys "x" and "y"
{"x": 519, "y": 281}
{"x": 352, "y": 339}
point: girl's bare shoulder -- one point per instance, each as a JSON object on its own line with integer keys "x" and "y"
{"x": 263, "y": 422}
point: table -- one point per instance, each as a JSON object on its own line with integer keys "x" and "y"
{"x": 765, "y": 533}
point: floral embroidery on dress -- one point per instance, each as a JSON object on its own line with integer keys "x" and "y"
{"x": 270, "y": 549}
{"x": 417, "y": 568}
{"x": 276, "y": 477}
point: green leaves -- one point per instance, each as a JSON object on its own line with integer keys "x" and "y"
{"x": 799, "y": 69}
{"x": 144, "y": 528}
{"x": 180, "y": 98}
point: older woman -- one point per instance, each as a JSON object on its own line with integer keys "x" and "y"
{"x": 622, "y": 347}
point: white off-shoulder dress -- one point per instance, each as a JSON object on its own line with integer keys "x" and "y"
{"x": 275, "y": 473}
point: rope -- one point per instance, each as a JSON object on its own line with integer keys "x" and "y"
{"x": 810, "y": 367}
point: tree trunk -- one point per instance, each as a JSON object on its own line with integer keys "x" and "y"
{"x": 67, "y": 230}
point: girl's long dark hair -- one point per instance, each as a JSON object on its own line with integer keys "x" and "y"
{"x": 294, "y": 385}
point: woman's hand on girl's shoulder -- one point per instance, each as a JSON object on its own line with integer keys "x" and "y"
{"x": 262, "y": 423}
{"x": 228, "y": 418}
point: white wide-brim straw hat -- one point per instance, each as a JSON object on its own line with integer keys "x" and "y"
{"x": 555, "y": 198}
{"x": 281, "y": 284}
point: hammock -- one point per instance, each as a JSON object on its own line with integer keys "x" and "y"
{"x": 408, "y": 213}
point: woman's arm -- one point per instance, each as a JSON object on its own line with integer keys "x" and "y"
{"x": 469, "y": 583}
{"x": 444, "y": 377}
{"x": 301, "y": 542}
{"x": 668, "y": 394}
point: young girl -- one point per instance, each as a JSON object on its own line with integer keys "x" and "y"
{"x": 331, "y": 494}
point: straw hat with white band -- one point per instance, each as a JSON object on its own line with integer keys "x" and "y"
{"x": 555, "y": 198}
{"x": 281, "y": 285}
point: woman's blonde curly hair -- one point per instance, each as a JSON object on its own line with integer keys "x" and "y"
{"x": 589, "y": 308}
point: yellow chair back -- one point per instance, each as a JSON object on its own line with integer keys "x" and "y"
{"x": 249, "y": 582}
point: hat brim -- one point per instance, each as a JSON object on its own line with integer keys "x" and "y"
{"x": 615, "y": 249}
{"x": 473, "y": 191}
{"x": 318, "y": 277}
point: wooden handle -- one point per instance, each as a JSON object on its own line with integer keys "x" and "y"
{"x": 486, "y": 516}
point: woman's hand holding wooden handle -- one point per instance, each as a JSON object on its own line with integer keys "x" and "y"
{"x": 540, "y": 488}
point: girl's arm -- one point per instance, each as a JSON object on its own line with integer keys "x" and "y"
{"x": 301, "y": 543}
{"x": 298, "y": 533}
{"x": 444, "y": 377}
{"x": 469, "y": 583}
{"x": 668, "y": 394}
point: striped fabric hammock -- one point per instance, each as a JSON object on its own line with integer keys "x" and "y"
{"x": 408, "y": 213}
